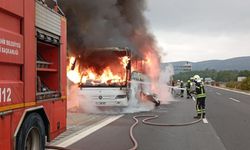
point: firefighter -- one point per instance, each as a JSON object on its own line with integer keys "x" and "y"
{"x": 172, "y": 88}
{"x": 200, "y": 97}
{"x": 182, "y": 86}
{"x": 188, "y": 88}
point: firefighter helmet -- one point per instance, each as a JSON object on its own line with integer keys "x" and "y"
{"x": 197, "y": 78}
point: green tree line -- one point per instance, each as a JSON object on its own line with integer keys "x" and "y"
{"x": 228, "y": 76}
{"x": 218, "y": 76}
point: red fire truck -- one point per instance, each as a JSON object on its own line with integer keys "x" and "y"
{"x": 33, "y": 74}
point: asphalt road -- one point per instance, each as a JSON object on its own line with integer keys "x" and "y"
{"x": 115, "y": 136}
{"x": 229, "y": 114}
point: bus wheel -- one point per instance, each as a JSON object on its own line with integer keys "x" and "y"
{"x": 31, "y": 135}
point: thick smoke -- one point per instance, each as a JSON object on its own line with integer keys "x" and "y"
{"x": 108, "y": 23}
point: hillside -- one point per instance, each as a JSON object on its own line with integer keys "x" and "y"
{"x": 238, "y": 63}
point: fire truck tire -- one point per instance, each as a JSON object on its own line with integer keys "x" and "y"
{"x": 31, "y": 135}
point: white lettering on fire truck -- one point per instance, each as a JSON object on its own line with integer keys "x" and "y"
{"x": 5, "y": 95}
{"x": 13, "y": 44}
{"x": 12, "y": 47}
{"x": 2, "y": 41}
{"x": 8, "y": 51}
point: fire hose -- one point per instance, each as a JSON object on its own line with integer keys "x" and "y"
{"x": 144, "y": 121}
{"x": 147, "y": 122}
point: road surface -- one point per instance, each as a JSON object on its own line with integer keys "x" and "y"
{"x": 227, "y": 127}
{"x": 229, "y": 114}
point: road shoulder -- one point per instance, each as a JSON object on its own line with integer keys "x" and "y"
{"x": 231, "y": 90}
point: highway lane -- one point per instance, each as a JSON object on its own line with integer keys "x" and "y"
{"x": 229, "y": 114}
{"x": 115, "y": 136}
{"x": 228, "y": 127}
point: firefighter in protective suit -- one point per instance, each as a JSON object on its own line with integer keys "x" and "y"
{"x": 188, "y": 88}
{"x": 200, "y": 94}
{"x": 182, "y": 86}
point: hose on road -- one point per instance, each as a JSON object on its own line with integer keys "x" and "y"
{"x": 147, "y": 121}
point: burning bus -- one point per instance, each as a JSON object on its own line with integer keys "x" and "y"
{"x": 103, "y": 75}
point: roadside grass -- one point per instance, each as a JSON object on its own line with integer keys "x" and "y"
{"x": 243, "y": 85}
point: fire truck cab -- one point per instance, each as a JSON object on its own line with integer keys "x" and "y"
{"x": 33, "y": 78}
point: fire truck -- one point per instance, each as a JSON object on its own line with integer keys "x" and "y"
{"x": 33, "y": 79}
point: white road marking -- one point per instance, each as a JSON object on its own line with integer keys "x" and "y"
{"x": 229, "y": 90}
{"x": 84, "y": 134}
{"x": 204, "y": 120}
{"x": 218, "y": 93}
{"x": 233, "y": 99}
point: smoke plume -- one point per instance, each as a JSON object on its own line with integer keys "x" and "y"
{"x": 108, "y": 23}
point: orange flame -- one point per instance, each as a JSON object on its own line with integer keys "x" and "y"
{"x": 89, "y": 76}
{"x": 125, "y": 61}
{"x": 152, "y": 69}
{"x": 73, "y": 75}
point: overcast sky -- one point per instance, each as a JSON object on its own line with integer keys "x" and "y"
{"x": 196, "y": 30}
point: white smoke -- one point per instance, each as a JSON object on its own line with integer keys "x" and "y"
{"x": 135, "y": 104}
{"x": 79, "y": 103}
{"x": 163, "y": 89}
{"x": 72, "y": 96}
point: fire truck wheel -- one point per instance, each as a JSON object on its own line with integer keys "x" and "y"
{"x": 31, "y": 135}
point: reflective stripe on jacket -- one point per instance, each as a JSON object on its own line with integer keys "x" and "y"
{"x": 200, "y": 91}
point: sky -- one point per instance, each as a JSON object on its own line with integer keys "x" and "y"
{"x": 198, "y": 30}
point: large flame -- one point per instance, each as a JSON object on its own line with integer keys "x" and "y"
{"x": 124, "y": 61}
{"x": 72, "y": 73}
{"x": 106, "y": 77}
{"x": 152, "y": 69}
{"x": 89, "y": 76}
